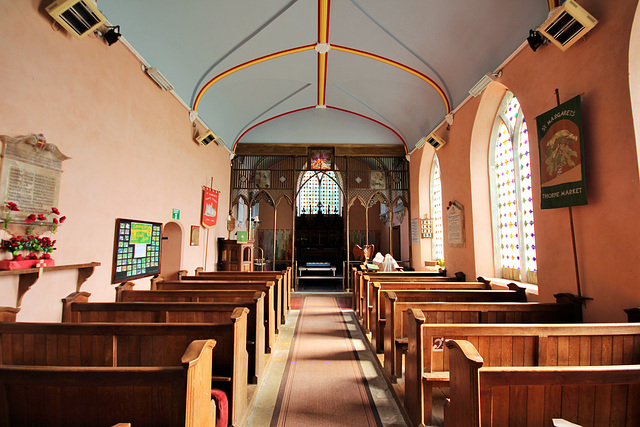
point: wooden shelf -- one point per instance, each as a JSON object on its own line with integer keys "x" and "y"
{"x": 29, "y": 276}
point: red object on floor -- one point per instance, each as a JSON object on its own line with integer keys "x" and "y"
{"x": 222, "y": 408}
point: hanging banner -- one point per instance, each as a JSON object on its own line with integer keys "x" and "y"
{"x": 562, "y": 168}
{"x": 209, "y": 207}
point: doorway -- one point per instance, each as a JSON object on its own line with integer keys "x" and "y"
{"x": 171, "y": 251}
{"x": 395, "y": 243}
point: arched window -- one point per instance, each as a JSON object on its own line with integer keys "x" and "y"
{"x": 319, "y": 193}
{"x": 511, "y": 195}
{"x": 437, "y": 242}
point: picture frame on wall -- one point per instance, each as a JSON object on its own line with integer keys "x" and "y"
{"x": 263, "y": 178}
{"x": 321, "y": 159}
{"x": 377, "y": 180}
{"x": 195, "y": 235}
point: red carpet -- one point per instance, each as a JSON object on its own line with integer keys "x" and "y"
{"x": 323, "y": 383}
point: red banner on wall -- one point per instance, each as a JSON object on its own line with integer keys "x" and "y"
{"x": 209, "y": 207}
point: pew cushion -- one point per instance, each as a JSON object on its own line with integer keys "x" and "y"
{"x": 222, "y": 407}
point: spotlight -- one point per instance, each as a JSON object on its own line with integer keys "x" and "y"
{"x": 112, "y": 35}
{"x": 535, "y": 40}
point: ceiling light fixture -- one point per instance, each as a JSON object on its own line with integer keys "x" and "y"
{"x": 112, "y": 35}
{"x": 483, "y": 83}
{"x": 158, "y": 78}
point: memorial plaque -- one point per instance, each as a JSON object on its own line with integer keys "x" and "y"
{"x": 455, "y": 222}
{"x": 31, "y": 171}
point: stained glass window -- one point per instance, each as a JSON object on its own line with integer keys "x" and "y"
{"x": 319, "y": 193}
{"x": 511, "y": 194}
{"x": 437, "y": 242}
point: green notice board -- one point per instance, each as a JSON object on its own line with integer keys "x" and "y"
{"x": 136, "y": 249}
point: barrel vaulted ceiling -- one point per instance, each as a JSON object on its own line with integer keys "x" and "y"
{"x": 382, "y": 72}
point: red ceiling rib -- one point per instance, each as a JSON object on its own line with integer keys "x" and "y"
{"x": 235, "y": 145}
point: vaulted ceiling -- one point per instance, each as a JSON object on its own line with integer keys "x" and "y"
{"x": 324, "y": 72}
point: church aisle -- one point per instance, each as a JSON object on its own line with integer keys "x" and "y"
{"x": 323, "y": 373}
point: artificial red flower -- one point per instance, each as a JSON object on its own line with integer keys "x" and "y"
{"x": 55, "y": 211}
{"x": 30, "y": 218}
{"x": 41, "y": 217}
{"x": 12, "y": 206}
{"x": 46, "y": 256}
{"x": 63, "y": 219}
{"x": 17, "y": 257}
{"x": 32, "y": 256}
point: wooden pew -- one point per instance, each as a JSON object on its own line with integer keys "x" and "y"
{"x": 364, "y": 277}
{"x": 396, "y": 326}
{"x": 232, "y": 359}
{"x": 99, "y": 395}
{"x": 283, "y": 279}
{"x": 366, "y": 300}
{"x": 253, "y": 300}
{"x": 497, "y": 396}
{"x": 266, "y": 287}
{"x": 403, "y": 291}
{"x": 427, "y": 361}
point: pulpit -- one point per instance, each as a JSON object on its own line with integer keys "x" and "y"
{"x": 235, "y": 256}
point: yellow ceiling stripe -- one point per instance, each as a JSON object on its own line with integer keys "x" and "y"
{"x": 322, "y": 78}
{"x": 323, "y": 21}
{"x": 245, "y": 65}
{"x": 400, "y": 66}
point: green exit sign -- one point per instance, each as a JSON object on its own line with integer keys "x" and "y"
{"x": 175, "y": 214}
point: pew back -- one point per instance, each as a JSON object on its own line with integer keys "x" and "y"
{"x": 231, "y": 356}
{"x": 270, "y": 312}
{"x": 510, "y": 345}
{"x": 98, "y": 396}
{"x": 283, "y": 280}
{"x": 600, "y": 395}
{"x": 253, "y": 300}
{"x": 461, "y": 294}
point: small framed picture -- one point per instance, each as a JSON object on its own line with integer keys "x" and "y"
{"x": 321, "y": 158}
{"x": 195, "y": 235}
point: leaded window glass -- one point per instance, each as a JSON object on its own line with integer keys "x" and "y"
{"x": 437, "y": 242}
{"x": 512, "y": 197}
{"x": 319, "y": 193}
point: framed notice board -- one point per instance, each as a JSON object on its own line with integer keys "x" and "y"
{"x": 136, "y": 249}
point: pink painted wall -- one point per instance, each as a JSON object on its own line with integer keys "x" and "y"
{"x": 606, "y": 236}
{"x": 131, "y": 144}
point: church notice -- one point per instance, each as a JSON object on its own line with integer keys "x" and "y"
{"x": 31, "y": 171}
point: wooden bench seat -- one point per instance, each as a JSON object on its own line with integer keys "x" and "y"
{"x": 411, "y": 283}
{"x": 267, "y": 287}
{"x": 461, "y": 292}
{"x": 253, "y": 300}
{"x": 499, "y": 396}
{"x": 508, "y": 345}
{"x": 232, "y": 357}
{"x": 396, "y": 324}
{"x": 151, "y": 396}
{"x": 372, "y": 300}
{"x": 362, "y": 292}
{"x": 283, "y": 279}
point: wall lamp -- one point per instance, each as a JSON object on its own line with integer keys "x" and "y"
{"x": 535, "y": 40}
{"x": 112, "y": 35}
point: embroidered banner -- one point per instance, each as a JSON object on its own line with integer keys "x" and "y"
{"x": 562, "y": 168}
{"x": 209, "y": 207}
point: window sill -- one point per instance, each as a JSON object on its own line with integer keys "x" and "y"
{"x": 499, "y": 283}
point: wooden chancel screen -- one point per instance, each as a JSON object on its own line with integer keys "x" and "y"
{"x": 277, "y": 181}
